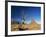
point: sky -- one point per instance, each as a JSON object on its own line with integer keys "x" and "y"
{"x": 17, "y": 13}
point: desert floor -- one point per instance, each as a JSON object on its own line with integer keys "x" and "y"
{"x": 21, "y": 27}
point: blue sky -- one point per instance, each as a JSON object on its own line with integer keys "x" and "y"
{"x": 17, "y": 12}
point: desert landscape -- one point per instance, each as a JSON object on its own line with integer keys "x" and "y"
{"x": 21, "y": 27}
{"x": 20, "y": 14}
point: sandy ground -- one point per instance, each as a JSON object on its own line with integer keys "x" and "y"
{"x": 15, "y": 27}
